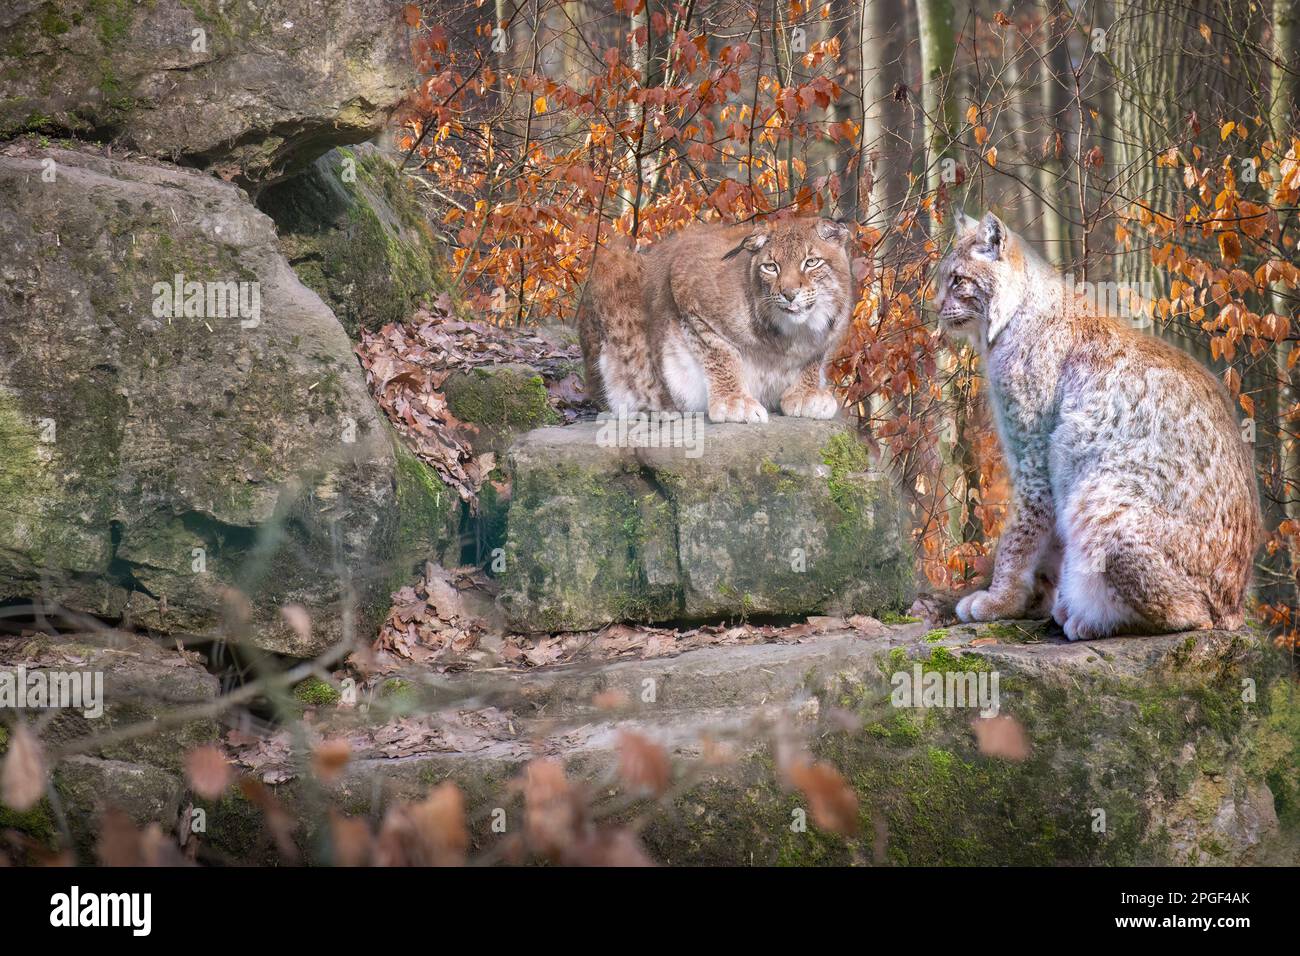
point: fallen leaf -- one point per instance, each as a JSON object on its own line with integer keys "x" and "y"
{"x": 1001, "y": 736}
{"x": 208, "y": 772}
{"x": 832, "y": 802}
{"x": 22, "y": 781}
{"x": 643, "y": 764}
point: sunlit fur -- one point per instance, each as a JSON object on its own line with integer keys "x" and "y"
{"x": 1135, "y": 492}
{"x": 735, "y": 321}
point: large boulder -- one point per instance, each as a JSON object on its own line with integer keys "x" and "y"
{"x": 158, "y": 455}
{"x": 262, "y": 90}
{"x": 1171, "y": 750}
{"x": 784, "y": 518}
{"x": 356, "y": 233}
{"x": 133, "y": 684}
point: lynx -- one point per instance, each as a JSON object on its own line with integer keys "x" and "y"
{"x": 1136, "y": 509}
{"x": 734, "y": 321}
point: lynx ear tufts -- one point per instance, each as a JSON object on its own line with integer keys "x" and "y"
{"x": 832, "y": 230}
{"x": 992, "y": 236}
{"x": 751, "y": 243}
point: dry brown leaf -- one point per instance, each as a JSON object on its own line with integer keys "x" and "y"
{"x": 297, "y": 617}
{"x": 611, "y": 699}
{"x": 329, "y": 757}
{"x": 643, "y": 764}
{"x": 1001, "y": 736}
{"x": 278, "y": 822}
{"x": 832, "y": 802}
{"x": 351, "y": 839}
{"x": 552, "y": 810}
{"x": 22, "y": 781}
{"x": 439, "y": 825}
{"x": 208, "y": 772}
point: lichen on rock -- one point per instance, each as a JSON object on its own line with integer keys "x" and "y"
{"x": 356, "y": 233}
{"x": 155, "y": 464}
{"x": 785, "y": 519}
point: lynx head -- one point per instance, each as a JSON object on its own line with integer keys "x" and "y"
{"x": 799, "y": 273}
{"x": 982, "y": 281}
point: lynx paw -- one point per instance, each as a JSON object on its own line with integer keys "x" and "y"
{"x": 739, "y": 409}
{"x": 818, "y": 404}
{"x": 1077, "y": 629}
{"x": 972, "y": 608}
{"x": 985, "y": 606}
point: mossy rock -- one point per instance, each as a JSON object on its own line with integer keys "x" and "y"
{"x": 255, "y": 101}
{"x": 152, "y": 464}
{"x": 785, "y": 518}
{"x": 501, "y": 401}
{"x": 138, "y": 682}
{"x": 1167, "y": 750}
{"x": 357, "y": 234}
{"x": 1142, "y": 759}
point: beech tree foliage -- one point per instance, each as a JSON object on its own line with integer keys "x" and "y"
{"x": 1149, "y": 148}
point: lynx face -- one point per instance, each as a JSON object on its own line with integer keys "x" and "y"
{"x": 981, "y": 281}
{"x": 799, "y": 272}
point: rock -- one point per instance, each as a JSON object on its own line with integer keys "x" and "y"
{"x": 501, "y": 401}
{"x": 141, "y": 683}
{"x": 87, "y": 786}
{"x": 357, "y": 235}
{"x": 150, "y": 465}
{"x": 1136, "y": 751}
{"x": 784, "y": 518}
{"x": 264, "y": 89}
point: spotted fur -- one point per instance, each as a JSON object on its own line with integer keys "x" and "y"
{"x": 730, "y": 320}
{"x": 1135, "y": 492}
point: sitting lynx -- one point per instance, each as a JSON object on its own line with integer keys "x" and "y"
{"x": 1135, "y": 494}
{"x": 730, "y": 320}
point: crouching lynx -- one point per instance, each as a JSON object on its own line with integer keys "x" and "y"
{"x": 1135, "y": 494}
{"x": 735, "y": 321}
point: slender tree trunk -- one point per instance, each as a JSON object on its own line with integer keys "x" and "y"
{"x": 1054, "y": 67}
{"x": 886, "y": 147}
{"x": 935, "y": 31}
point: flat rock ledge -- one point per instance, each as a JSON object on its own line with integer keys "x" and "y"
{"x": 1181, "y": 749}
{"x": 730, "y": 520}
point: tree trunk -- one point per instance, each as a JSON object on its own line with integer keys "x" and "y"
{"x": 934, "y": 29}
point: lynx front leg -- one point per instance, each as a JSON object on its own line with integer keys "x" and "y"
{"x": 808, "y": 396}
{"x": 728, "y": 399}
{"x": 1020, "y": 552}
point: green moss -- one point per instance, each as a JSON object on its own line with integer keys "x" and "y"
{"x": 428, "y": 510}
{"x": 893, "y": 617}
{"x": 37, "y": 823}
{"x": 52, "y": 24}
{"x": 501, "y": 401}
{"x": 113, "y": 17}
{"x": 847, "y": 459}
{"x": 395, "y": 687}
{"x": 933, "y": 637}
{"x": 1007, "y": 633}
{"x": 362, "y": 242}
{"x": 315, "y": 692}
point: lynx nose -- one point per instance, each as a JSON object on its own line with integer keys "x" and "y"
{"x": 790, "y": 294}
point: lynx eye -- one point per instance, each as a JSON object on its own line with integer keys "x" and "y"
{"x": 812, "y": 263}
{"x": 769, "y": 268}
{"x": 957, "y": 281}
